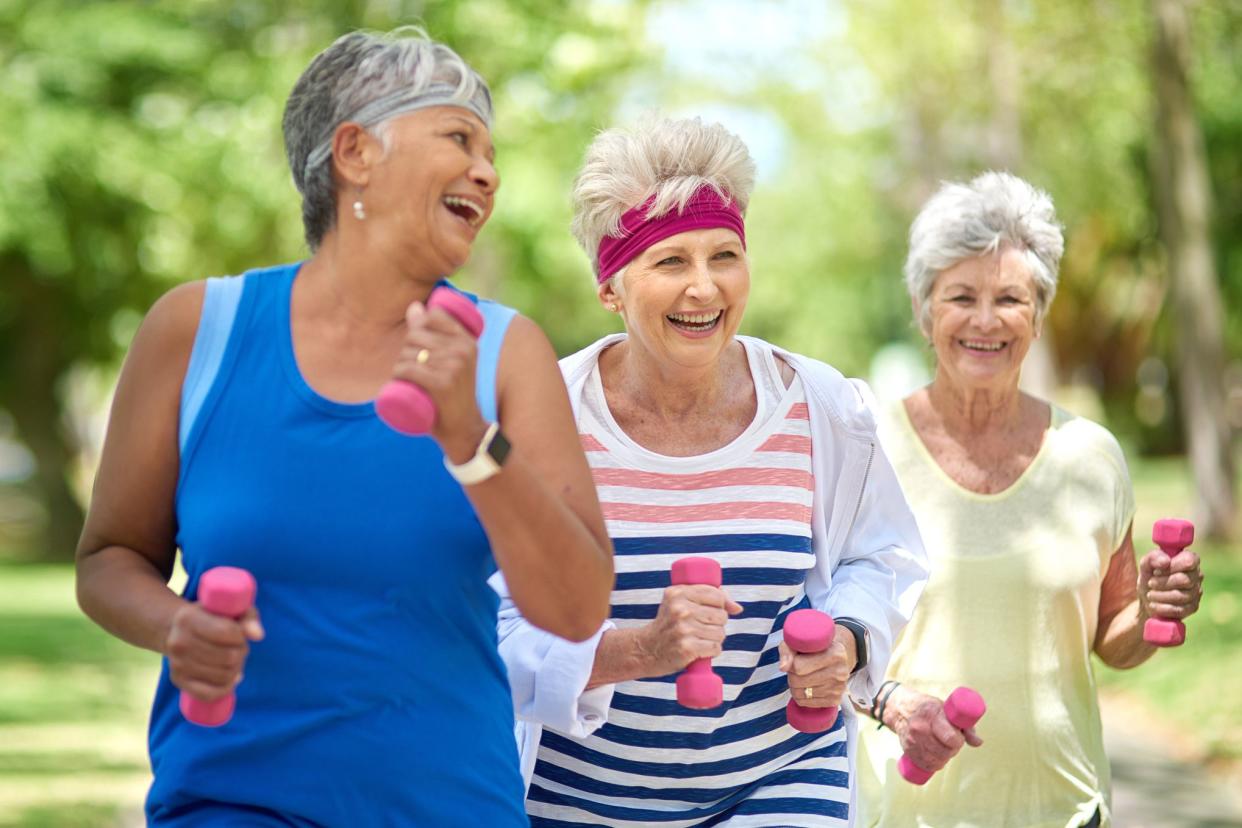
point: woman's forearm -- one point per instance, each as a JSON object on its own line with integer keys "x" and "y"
{"x": 559, "y": 573}
{"x": 1120, "y": 644}
{"x": 621, "y": 656}
{"x": 125, "y": 594}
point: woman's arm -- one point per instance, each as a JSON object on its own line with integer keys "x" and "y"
{"x": 1130, "y": 594}
{"x": 540, "y": 511}
{"x": 127, "y": 549}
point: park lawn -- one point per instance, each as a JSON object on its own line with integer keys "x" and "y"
{"x": 74, "y": 700}
{"x": 73, "y": 709}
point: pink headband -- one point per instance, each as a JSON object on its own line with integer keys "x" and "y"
{"x": 705, "y": 209}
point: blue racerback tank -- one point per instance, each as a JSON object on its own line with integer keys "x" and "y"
{"x": 377, "y": 697}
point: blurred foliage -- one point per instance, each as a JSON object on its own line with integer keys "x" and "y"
{"x": 142, "y": 148}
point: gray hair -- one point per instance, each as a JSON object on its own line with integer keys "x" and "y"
{"x": 962, "y": 221}
{"x": 368, "y": 78}
{"x": 670, "y": 159}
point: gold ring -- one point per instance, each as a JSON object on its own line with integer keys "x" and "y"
{"x": 423, "y": 356}
{"x": 809, "y": 692}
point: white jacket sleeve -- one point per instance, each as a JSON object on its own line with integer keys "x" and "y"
{"x": 547, "y": 674}
{"x": 881, "y": 571}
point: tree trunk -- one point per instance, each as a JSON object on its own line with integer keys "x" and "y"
{"x": 1183, "y": 203}
{"x": 33, "y": 370}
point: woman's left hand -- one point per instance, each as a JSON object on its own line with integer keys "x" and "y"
{"x": 824, "y": 673}
{"x": 1170, "y": 588}
{"x": 446, "y": 371}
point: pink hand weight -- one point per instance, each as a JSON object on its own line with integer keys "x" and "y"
{"x": 1172, "y": 536}
{"x": 809, "y": 631}
{"x": 963, "y": 708}
{"x": 698, "y": 687}
{"x": 405, "y": 407}
{"x": 227, "y": 591}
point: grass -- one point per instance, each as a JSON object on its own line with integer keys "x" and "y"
{"x": 74, "y": 700}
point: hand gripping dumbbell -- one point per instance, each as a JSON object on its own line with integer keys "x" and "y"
{"x": 227, "y": 591}
{"x": 405, "y": 407}
{"x": 809, "y": 631}
{"x": 1172, "y": 536}
{"x": 963, "y": 708}
{"x": 697, "y": 686}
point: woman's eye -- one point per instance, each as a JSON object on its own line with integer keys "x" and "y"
{"x": 461, "y": 138}
{"x": 671, "y": 260}
{"x": 726, "y": 254}
{"x": 961, "y": 300}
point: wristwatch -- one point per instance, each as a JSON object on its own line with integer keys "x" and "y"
{"x": 862, "y": 640}
{"x": 487, "y": 460}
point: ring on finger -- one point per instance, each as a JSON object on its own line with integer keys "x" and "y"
{"x": 422, "y": 356}
{"x": 808, "y": 692}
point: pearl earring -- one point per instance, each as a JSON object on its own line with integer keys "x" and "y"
{"x": 612, "y": 306}
{"x": 360, "y": 212}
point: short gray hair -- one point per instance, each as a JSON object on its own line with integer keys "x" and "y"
{"x": 670, "y": 159}
{"x": 368, "y": 78}
{"x": 962, "y": 221}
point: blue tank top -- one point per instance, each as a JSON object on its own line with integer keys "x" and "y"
{"x": 377, "y": 697}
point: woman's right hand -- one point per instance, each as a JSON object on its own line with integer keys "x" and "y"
{"x": 206, "y": 652}
{"x": 927, "y": 737}
{"x": 689, "y": 624}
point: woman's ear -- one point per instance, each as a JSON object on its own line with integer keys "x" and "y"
{"x": 609, "y": 297}
{"x": 355, "y": 153}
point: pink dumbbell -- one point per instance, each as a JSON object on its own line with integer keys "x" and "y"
{"x": 963, "y": 708}
{"x": 698, "y": 687}
{"x": 227, "y": 591}
{"x": 1172, "y": 536}
{"x": 809, "y": 631}
{"x": 405, "y": 407}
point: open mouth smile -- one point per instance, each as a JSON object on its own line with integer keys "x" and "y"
{"x": 700, "y": 323}
{"x": 465, "y": 209}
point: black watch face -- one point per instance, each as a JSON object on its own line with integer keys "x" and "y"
{"x": 499, "y": 449}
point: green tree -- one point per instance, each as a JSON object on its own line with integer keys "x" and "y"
{"x": 142, "y": 148}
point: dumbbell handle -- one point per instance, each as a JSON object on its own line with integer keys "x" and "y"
{"x": 405, "y": 407}
{"x": 698, "y": 686}
{"x": 1172, "y": 536}
{"x": 963, "y": 708}
{"x": 227, "y": 591}
{"x": 809, "y": 631}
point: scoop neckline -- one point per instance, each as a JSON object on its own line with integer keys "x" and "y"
{"x": 765, "y": 421}
{"x": 1018, "y": 482}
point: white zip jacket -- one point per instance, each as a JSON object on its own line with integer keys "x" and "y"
{"x": 869, "y": 561}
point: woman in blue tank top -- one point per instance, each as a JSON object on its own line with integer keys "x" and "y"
{"x": 243, "y": 433}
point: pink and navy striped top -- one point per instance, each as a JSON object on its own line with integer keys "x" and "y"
{"x": 748, "y": 505}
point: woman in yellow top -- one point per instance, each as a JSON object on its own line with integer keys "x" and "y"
{"x": 1025, "y": 510}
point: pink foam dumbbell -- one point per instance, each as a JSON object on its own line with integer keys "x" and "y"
{"x": 1172, "y": 536}
{"x": 698, "y": 687}
{"x": 963, "y": 708}
{"x": 809, "y": 631}
{"x": 227, "y": 591}
{"x": 405, "y": 407}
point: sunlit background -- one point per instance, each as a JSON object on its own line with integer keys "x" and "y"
{"x": 140, "y": 147}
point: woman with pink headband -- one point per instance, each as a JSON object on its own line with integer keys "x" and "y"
{"x": 705, "y": 443}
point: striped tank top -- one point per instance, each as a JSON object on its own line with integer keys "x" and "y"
{"x": 748, "y": 506}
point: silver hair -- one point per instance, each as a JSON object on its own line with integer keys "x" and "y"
{"x": 962, "y": 221}
{"x": 668, "y": 158}
{"x": 368, "y": 78}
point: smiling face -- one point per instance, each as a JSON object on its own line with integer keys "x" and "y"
{"x": 433, "y": 189}
{"x": 683, "y": 298}
{"x": 983, "y": 320}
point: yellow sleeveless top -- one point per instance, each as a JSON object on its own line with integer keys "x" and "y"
{"x": 1011, "y": 610}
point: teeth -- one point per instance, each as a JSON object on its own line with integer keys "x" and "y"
{"x": 695, "y": 318}
{"x": 983, "y": 346}
{"x": 458, "y": 201}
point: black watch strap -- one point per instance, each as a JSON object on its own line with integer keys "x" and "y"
{"x": 862, "y": 640}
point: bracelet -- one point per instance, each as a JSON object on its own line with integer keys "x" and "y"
{"x": 876, "y": 699}
{"x": 881, "y": 701}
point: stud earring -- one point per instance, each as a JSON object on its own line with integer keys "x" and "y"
{"x": 612, "y": 306}
{"x": 360, "y": 212}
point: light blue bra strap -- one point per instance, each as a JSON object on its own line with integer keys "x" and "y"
{"x": 220, "y": 301}
{"x": 496, "y": 319}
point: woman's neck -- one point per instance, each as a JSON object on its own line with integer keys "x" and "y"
{"x": 964, "y": 409}
{"x": 672, "y": 392}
